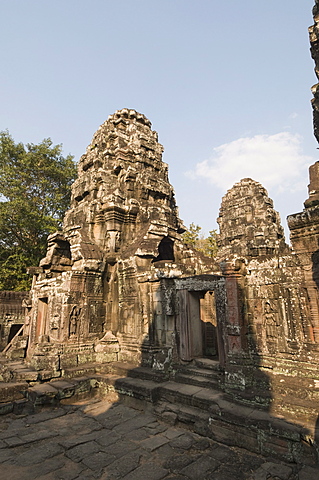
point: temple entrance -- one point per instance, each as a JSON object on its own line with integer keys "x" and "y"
{"x": 201, "y": 317}
{"x": 198, "y": 327}
{"x": 209, "y": 324}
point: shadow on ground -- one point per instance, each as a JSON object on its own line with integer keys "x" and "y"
{"x": 100, "y": 439}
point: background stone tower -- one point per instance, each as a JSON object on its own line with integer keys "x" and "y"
{"x": 249, "y": 225}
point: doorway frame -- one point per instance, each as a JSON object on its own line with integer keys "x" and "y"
{"x": 185, "y": 289}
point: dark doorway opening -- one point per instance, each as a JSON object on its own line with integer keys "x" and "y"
{"x": 165, "y": 250}
{"x": 14, "y": 330}
{"x": 197, "y": 325}
{"x": 208, "y": 321}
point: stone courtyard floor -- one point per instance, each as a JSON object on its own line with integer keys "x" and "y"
{"x": 96, "y": 439}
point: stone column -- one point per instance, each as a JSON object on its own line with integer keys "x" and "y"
{"x": 304, "y": 236}
{"x": 235, "y": 372}
{"x": 234, "y": 321}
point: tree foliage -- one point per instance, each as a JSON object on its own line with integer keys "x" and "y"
{"x": 194, "y": 237}
{"x": 35, "y": 183}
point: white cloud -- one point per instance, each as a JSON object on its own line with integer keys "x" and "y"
{"x": 276, "y": 161}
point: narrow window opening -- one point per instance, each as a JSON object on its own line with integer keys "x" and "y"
{"x": 165, "y": 250}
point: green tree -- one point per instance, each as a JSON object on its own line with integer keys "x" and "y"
{"x": 35, "y": 183}
{"x": 195, "y": 238}
{"x": 192, "y": 235}
{"x": 211, "y": 247}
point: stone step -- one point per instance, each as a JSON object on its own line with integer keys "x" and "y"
{"x": 137, "y": 388}
{"x": 288, "y": 396}
{"x": 116, "y": 368}
{"x": 190, "y": 395}
{"x": 304, "y": 411}
{"x": 305, "y": 389}
{"x": 236, "y": 425}
{"x": 42, "y": 394}
{"x": 294, "y": 400}
{"x": 26, "y": 374}
{"x": 201, "y": 372}
{"x": 252, "y": 397}
{"x": 12, "y": 391}
{"x": 207, "y": 363}
{"x": 125, "y": 369}
{"x": 84, "y": 369}
{"x": 146, "y": 373}
{"x": 215, "y": 414}
{"x": 59, "y": 390}
{"x": 18, "y": 371}
{"x": 190, "y": 379}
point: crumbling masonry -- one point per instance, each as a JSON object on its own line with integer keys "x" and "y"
{"x": 104, "y": 291}
{"x": 118, "y": 286}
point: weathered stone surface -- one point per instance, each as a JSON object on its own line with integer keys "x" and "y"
{"x": 13, "y": 307}
{"x": 77, "y": 448}
{"x": 308, "y": 473}
{"x": 249, "y": 225}
{"x": 99, "y": 295}
{"x": 273, "y": 336}
{"x": 12, "y": 391}
{"x": 118, "y": 286}
{"x": 42, "y": 394}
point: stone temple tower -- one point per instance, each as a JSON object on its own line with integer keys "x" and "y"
{"x": 96, "y": 293}
{"x": 249, "y": 225}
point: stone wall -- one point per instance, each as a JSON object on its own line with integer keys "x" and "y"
{"x": 278, "y": 299}
{"x": 12, "y": 315}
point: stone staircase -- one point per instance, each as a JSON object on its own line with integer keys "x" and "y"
{"x": 17, "y": 370}
{"x": 23, "y": 389}
{"x": 202, "y": 372}
{"x": 191, "y": 397}
{"x": 20, "y": 384}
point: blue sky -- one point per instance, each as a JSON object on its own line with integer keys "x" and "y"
{"x": 226, "y": 84}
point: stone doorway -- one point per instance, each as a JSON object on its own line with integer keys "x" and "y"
{"x": 197, "y": 324}
{"x": 14, "y": 330}
{"x": 208, "y": 321}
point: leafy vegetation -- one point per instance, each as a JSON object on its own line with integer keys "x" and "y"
{"x": 194, "y": 237}
{"x": 35, "y": 183}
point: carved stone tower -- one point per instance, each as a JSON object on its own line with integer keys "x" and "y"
{"x": 97, "y": 295}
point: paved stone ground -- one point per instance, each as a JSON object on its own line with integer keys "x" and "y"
{"x": 97, "y": 439}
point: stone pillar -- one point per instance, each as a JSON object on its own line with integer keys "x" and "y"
{"x": 234, "y": 322}
{"x": 235, "y": 374}
{"x": 304, "y": 236}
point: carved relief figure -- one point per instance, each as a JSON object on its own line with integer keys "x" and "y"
{"x": 272, "y": 326}
{"x": 74, "y": 320}
{"x": 54, "y": 325}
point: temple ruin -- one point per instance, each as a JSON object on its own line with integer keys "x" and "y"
{"x": 103, "y": 292}
{"x": 228, "y": 345}
{"x": 120, "y": 292}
